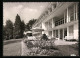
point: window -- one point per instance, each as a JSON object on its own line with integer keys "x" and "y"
{"x": 56, "y": 23}
{"x": 59, "y": 22}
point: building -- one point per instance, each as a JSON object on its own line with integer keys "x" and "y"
{"x": 59, "y": 19}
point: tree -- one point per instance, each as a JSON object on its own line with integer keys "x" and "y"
{"x": 8, "y": 29}
{"x": 17, "y": 27}
{"x": 29, "y": 24}
{"x": 22, "y": 28}
{"x": 4, "y": 33}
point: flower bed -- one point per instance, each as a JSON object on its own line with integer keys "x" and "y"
{"x": 42, "y": 48}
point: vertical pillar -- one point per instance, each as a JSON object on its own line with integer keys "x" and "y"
{"x": 63, "y": 34}
{"x": 74, "y": 11}
{"x": 64, "y": 17}
{"x": 59, "y": 33}
{"x": 48, "y": 28}
{"x": 52, "y": 7}
{"x": 52, "y": 23}
{"x": 67, "y": 16}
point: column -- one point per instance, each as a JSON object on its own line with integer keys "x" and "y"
{"x": 74, "y": 11}
{"x": 64, "y": 17}
{"x": 63, "y": 34}
{"x": 42, "y": 28}
{"x": 77, "y": 11}
{"x": 67, "y": 16}
{"x": 59, "y": 33}
{"x": 48, "y": 28}
{"x": 52, "y": 7}
{"x": 52, "y": 23}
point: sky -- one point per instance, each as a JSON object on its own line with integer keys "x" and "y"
{"x": 26, "y": 10}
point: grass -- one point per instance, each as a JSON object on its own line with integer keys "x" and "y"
{"x": 12, "y": 49}
{"x": 67, "y": 50}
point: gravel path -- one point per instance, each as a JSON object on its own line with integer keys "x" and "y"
{"x": 12, "y": 49}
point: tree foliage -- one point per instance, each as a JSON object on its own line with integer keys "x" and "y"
{"x": 22, "y": 28}
{"x": 4, "y": 33}
{"x": 8, "y": 30}
{"x": 19, "y": 27}
{"x": 29, "y": 24}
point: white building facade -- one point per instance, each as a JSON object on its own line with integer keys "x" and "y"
{"x": 60, "y": 19}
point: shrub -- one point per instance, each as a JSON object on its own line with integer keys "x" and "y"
{"x": 44, "y": 37}
{"x": 29, "y": 44}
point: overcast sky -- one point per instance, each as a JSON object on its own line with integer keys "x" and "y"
{"x": 26, "y": 10}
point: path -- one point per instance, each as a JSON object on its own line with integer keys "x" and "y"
{"x": 12, "y": 49}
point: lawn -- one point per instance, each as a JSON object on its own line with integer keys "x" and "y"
{"x": 12, "y": 49}
{"x": 67, "y": 50}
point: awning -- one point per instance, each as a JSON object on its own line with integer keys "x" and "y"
{"x": 37, "y": 29}
{"x": 27, "y": 32}
{"x": 36, "y": 33}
